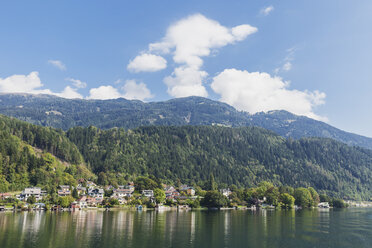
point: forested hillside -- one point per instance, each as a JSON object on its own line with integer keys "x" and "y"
{"x": 240, "y": 156}
{"x": 63, "y": 113}
{"x": 32, "y": 155}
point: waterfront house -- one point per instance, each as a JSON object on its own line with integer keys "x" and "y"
{"x": 4, "y": 196}
{"x": 91, "y": 202}
{"x": 323, "y": 205}
{"x": 148, "y": 193}
{"x": 27, "y": 192}
{"x": 75, "y": 205}
{"x": 39, "y": 206}
{"x": 82, "y": 202}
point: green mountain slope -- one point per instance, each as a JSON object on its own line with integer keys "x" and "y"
{"x": 32, "y": 155}
{"x": 240, "y": 156}
{"x": 62, "y": 113}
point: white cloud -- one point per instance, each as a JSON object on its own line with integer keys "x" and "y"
{"x": 131, "y": 90}
{"x": 58, "y": 64}
{"x": 267, "y": 10}
{"x": 31, "y": 83}
{"x": 77, "y": 83}
{"x": 118, "y": 81}
{"x": 195, "y": 36}
{"x": 104, "y": 92}
{"x": 287, "y": 62}
{"x": 287, "y": 66}
{"x": 21, "y": 83}
{"x": 69, "y": 93}
{"x": 147, "y": 63}
{"x": 186, "y": 81}
{"x": 255, "y": 92}
{"x": 136, "y": 91}
{"x": 189, "y": 40}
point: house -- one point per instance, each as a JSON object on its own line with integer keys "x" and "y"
{"x": 129, "y": 186}
{"x": 169, "y": 188}
{"x": 121, "y": 193}
{"x": 97, "y": 193}
{"x": 82, "y": 202}
{"x": 172, "y": 195}
{"x": 75, "y": 205}
{"x": 91, "y": 202}
{"x": 27, "y": 192}
{"x": 226, "y": 192}
{"x": 81, "y": 190}
{"x": 40, "y": 206}
{"x": 91, "y": 185}
{"x": 64, "y": 190}
{"x": 171, "y": 192}
{"x": 122, "y": 201}
{"x": 4, "y": 196}
{"x": 148, "y": 193}
{"x": 188, "y": 190}
{"x": 43, "y": 193}
{"x": 109, "y": 187}
{"x": 323, "y": 205}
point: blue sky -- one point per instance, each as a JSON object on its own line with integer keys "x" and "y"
{"x": 309, "y": 57}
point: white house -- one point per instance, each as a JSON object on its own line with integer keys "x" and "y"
{"x": 96, "y": 193}
{"x": 226, "y": 192}
{"x": 148, "y": 193}
{"x": 27, "y": 192}
{"x": 64, "y": 190}
{"x": 121, "y": 193}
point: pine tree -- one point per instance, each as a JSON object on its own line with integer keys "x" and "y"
{"x": 212, "y": 185}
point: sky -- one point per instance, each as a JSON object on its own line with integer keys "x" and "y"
{"x": 311, "y": 58}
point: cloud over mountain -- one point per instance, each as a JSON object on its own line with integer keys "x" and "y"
{"x": 255, "y": 92}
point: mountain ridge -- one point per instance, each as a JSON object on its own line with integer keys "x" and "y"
{"x": 48, "y": 110}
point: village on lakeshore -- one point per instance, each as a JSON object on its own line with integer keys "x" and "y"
{"x": 146, "y": 193}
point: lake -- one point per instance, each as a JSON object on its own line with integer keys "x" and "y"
{"x": 230, "y": 228}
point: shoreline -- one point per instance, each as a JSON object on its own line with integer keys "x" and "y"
{"x": 134, "y": 209}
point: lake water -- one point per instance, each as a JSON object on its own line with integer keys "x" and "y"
{"x": 230, "y": 228}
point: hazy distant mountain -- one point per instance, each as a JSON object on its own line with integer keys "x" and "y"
{"x": 63, "y": 113}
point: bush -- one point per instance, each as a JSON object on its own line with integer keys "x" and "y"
{"x": 339, "y": 203}
{"x": 287, "y": 201}
{"x": 214, "y": 199}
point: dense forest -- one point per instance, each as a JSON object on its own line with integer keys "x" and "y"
{"x": 239, "y": 156}
{"x": 47, "y": 110}
{"x": 37, "y": 156}
{"x": 33, "y": 155}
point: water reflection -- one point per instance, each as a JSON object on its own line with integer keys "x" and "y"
{"x": 307, "y": 228}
